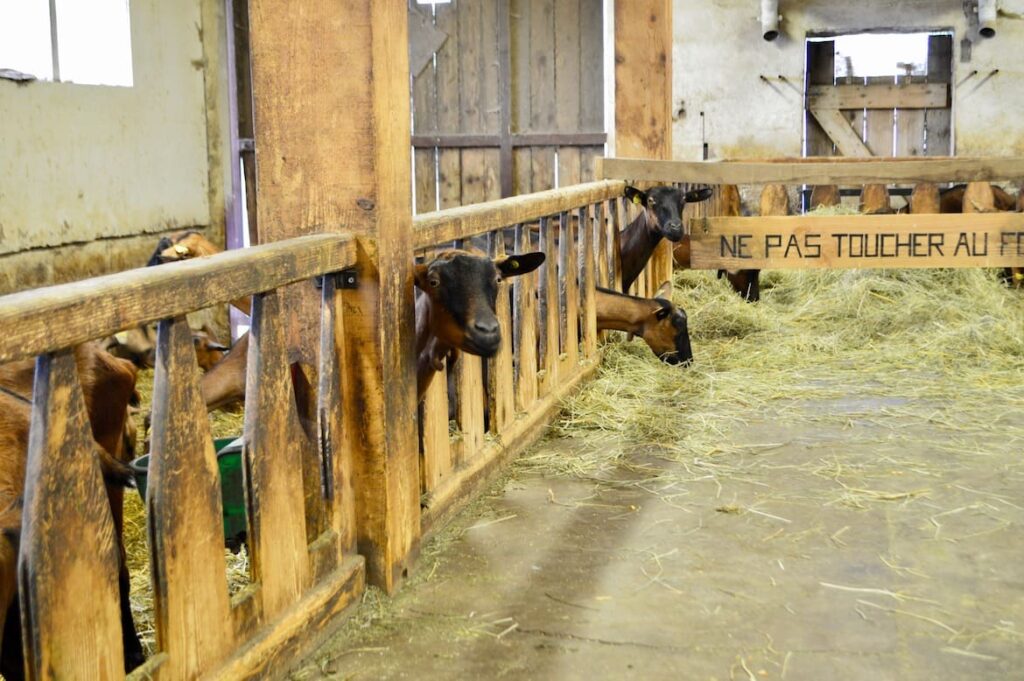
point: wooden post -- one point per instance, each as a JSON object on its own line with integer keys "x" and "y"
{"x": 643, "y": 93}
{"x": 331, "y": 89}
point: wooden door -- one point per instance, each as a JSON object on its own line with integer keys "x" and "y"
{"x": 507, "y": 97}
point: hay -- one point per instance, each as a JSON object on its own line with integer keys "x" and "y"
{"x": 939, "y": 339}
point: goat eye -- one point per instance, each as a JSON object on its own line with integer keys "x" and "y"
{"x": 434, "y": 282}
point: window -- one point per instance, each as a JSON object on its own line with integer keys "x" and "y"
{"x": 93, "y": 40}
{"x": 881, "y": 54}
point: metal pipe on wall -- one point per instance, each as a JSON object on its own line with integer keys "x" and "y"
{"x": 769, "y": 19}
{"x": 987, "y": 18}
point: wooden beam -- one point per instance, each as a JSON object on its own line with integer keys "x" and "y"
{"x": 643, "y": 92}
{"x": 818, "y": 170}
{"x": 463, "y": 140}
{"x": 463, "y": 222}
{"x": 330, "y": 157}
{"x": 105, "y": 305}
{"x": 846, "y": 139}
{"x": 878, "y": 96}
{"x": 845, "y": 241}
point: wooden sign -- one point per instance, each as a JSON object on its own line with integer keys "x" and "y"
{"x": 851, "y": 241}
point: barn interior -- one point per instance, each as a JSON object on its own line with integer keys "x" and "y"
{"x": 830, "y": 489}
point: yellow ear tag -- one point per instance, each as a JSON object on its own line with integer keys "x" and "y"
{"x": 181, "y": 250}
{"x": 1018, "y": 276}
{"x": 636, "y": 199}
{"x": 513, "y": 264}
{"x": 122, "y": 337}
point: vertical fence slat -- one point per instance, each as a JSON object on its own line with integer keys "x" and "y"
{"x": 277, "y": 522}
{"x": 603, "y": 268}
{"x": 69, "y": 554}
{"x": 437, "y": 454}
{"x": 470, "y": 406}
{"x": 525, "y": 319}
{"x": 588, "y": 309}
{"x": 567, "y": 266}
{"x": 616, "y": 245}
{"x": 185, "y": 519}
{"x": 499, "y": 369}
{"x": 549, "y": 307}
{"x": 335, "y": 452}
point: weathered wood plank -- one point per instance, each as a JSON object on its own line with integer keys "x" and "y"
{"x": 500, "y": 375}
{"x": 470, "y": 407}
{"x": 909, "y": 126}
{"x": 437, "y": 454}
{"x": 424, "y": 121}
{"x": 334, "y": 440}
{"x": 938, "y": 122}
{"x": 879, "y": 125}
{"x": 602, "y": 252}
{"x": 821, "y": 70}
{"x": 878, "y": 96}
{"x": 525, "y": 327}
{"x": 847, "y": 141}
{"x": 278, "y": 519}
{"x": 591, "y": 80}
{"x": 812, "y": 241}
{"x": 446, "y": 19}
{"x": 70, "y": 617}
{"x": 568, "y": 82}
{"x": 184, "y": 514}
{"x": 569, "y": 293}
{"x": 817, "y": 171}
{"x": 643, "y": 78}
{"x": 104, "y": 305}
{"x": 549, "y": 308}
{"x": 463, "y": 222}
{"x": 588, "y": 275}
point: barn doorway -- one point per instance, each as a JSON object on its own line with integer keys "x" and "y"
{"x": 879, "y": 94}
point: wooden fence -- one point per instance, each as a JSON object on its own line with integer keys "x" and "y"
{"x": 981, "y": 237}
{"x": 304, "y": 560}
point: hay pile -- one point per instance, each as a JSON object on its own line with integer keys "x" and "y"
{"x": 952, "y": 337}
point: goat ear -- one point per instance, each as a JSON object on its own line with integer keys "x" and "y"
{"x": 635, "y": 195}
{"x": 698, "y": 195}
{"x": 419, "y": 273}
{"x": 664, "y": 291}
{"x": 514, "y": 265}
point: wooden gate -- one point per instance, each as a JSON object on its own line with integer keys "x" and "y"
{"x": 507, "y": 97}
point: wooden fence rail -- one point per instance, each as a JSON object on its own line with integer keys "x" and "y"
{"x": 819, "y": 170}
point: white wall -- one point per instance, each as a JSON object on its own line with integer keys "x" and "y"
{"x": 81, "y": 163}
{"x": 719, "y": 55}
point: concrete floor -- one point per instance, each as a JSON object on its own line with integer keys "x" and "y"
{"x": 837, "y": 550}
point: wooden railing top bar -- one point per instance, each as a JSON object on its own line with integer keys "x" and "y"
{"x": 824, "y": 170}
{"x": 468, "y": 221}
{"x": 47, "y": 319}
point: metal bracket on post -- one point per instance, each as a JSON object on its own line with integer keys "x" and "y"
{"x": 342, "y": 279}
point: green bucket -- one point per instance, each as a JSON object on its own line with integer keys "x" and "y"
{"x": 232, "y": 487}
